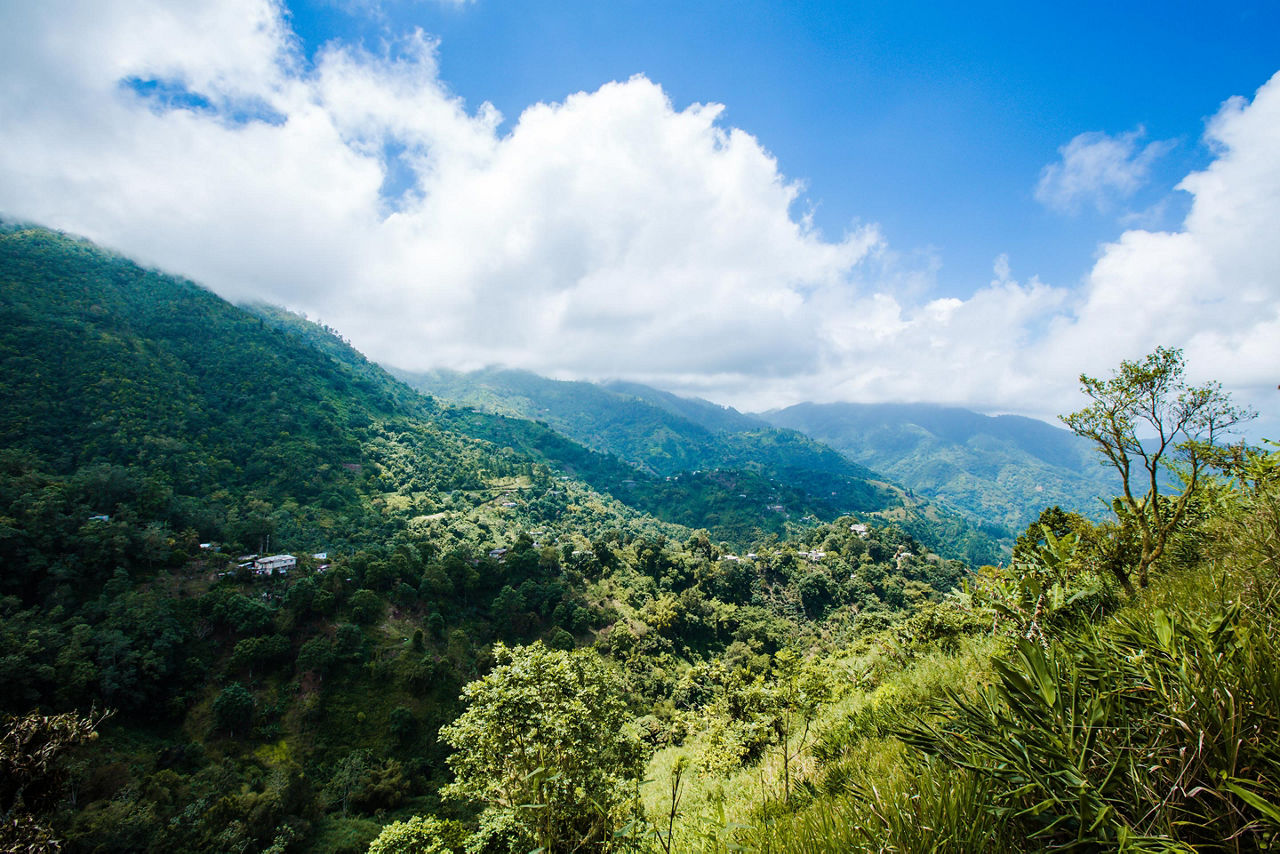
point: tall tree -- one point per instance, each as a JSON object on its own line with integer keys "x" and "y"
{"x": 545, "y": 746}
{"x": 1146, "y": 421}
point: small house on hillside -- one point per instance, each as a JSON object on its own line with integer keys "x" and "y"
{"x": 274, "y": 565}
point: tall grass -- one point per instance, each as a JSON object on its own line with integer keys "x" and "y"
{"x": 1157, "y": 729}
{"x": 851, "y": 764}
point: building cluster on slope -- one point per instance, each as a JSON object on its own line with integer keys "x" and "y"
{"x": 269, "y": 565}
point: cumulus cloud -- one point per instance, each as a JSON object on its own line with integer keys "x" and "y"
{"x": 1098, "y": 169}
{"x": 611, "y": 234}
{"x": 1212, "y": 287}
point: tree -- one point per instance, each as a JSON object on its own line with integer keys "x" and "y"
{"x": 1146, "y": 421}
{"x": 800, "y": 688}
{"x": 362, "y": 782}
{"x": 418, "y": 835}
{"x": 1053, "y": 520}
{"x": 401, "y": 724}
{"x": 233, "y": 709}
{"x": 544, "y": 744}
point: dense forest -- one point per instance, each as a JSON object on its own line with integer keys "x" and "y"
{"x": 495, "y": 639}
{"x": 995, "y": 470}
{"x": 674, "y": 437}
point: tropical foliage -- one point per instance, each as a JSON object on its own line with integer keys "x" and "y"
{"x": 480, "y": 648}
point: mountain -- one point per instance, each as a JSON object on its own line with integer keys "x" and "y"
{"x": 111, "y": 365}
{"x": 719, "y": 453}
{"x": 151, "y": 432}
{"x": 655, "y": 431}
{"x": 711, "y": 416}
{"x": 1001, "y": 469}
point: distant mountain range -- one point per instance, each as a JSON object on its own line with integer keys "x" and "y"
{"x": 658, "y": 432}
{"x": 696, "y": 463}
{"x": 998, "y": 472}
{"x": 1000, "y": 469}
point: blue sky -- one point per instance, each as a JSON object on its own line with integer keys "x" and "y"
{"x": 931, "y": 119}
{"x": 756, "y": 203}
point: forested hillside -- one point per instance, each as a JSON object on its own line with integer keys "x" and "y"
{"x": 156, "y": 440}
{"x": 471, "y": 649}
{"x": 723, "y": 458}
{"x": 997, "y": 470}
{"x": 659, "y": 439}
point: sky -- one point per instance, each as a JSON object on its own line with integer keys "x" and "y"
{"x": 759, "y": 203}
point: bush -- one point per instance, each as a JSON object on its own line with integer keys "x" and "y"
{"x": 418, "y": 835}
{"x": 547, "y": 728}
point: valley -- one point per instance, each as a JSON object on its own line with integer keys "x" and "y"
{"x": 261, "y": 594}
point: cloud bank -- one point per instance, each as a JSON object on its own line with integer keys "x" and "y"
{"x": 612, "y": 234}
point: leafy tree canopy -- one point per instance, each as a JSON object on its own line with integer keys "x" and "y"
{"x": 545, "y": 745}
{"x": 1144, "y": 420}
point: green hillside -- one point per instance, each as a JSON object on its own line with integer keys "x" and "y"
{"x": 992, "y": 469}
{"x": 707, "y": 465}
{"x": 155, "y": 437}
{"x": 735, "y": 506}
{"x": 475, "y": 649}
{"x": 661, "y": 433}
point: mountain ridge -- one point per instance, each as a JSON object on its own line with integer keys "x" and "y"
{"x": 996, "y": 468}
{"x": 669, "y": 435}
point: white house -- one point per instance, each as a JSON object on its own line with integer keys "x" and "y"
{"x": 274, "y": 564}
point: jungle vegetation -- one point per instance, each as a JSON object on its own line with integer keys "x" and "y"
{"x": 486, "y": 647}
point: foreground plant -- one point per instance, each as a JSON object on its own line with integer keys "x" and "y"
{"x": 1159, "y": 731}
{"x": 546, "y": 745}
{"x": 32, "y": 777}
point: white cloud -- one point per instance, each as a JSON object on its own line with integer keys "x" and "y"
{"x": 612, "y": 234}
{"x": 1212, "y": 287}
{"x": 1098, "y": 169}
